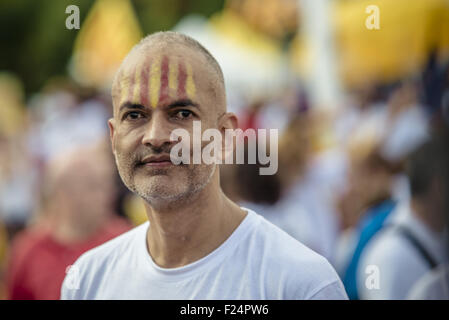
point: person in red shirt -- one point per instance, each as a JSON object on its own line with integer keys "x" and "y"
{"x": 78, "y": 216}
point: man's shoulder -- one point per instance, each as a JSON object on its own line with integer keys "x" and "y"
{"x": 283, "y": 244}
{"x": 285, "y": 250}
{"x": 304, "y": 273}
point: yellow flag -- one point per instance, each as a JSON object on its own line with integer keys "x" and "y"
{"x": 382, "y": 40}
{"x": 109, "y": 32}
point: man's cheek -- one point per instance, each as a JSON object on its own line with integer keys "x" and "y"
{"x": 122, "y": 142}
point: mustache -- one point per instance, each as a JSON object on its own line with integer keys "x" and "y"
{"x": 151, "y": 151}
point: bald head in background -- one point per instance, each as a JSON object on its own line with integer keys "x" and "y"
{"x": 82, "y": 176}
{"x": 79, "y": 192}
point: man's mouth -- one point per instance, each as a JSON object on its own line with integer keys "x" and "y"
{"x": 156, "y": 161}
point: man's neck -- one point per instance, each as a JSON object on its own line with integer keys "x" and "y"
{"x": 187, "y": 233}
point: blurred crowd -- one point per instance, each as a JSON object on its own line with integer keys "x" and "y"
{"x": 364, "y": 184}
{"x": 366, "y": 187}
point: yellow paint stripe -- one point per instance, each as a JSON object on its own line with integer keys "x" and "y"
{"x": 155, "y": 81}
{"x": 173, "y": 76}
{"x": 190, "y": 84}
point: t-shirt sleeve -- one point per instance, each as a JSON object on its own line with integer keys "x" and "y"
{"x": 332, "y": 291}
{"x": 70, "y": 288}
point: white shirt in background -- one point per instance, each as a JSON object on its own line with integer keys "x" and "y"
{"x": 398, "y": 262}
{"x": 432, "y": 286}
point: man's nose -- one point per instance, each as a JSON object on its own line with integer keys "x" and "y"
{"x": 157, "y": 132}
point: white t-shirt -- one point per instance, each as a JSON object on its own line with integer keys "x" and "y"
{"x": 434, "y": 285}
{"x": 309, "y": 205}
{"x": 399, "y": 263}
{"x": 258, "y": 261}
{"x": 294, "y": 220}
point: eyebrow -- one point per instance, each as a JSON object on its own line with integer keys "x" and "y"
{"x": 129, "y": 105}
{"x": 175, "y": 104}
{"x": 182, "y": 103}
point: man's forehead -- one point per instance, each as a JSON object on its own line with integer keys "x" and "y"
{"x": 172, "y": 52}
{"x": 152, "y": 78}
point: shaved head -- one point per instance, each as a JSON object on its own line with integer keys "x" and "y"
{"x": 170, "y": 45}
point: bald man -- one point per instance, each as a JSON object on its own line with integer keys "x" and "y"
{"x": 68, "y": 225}
{"x": 197, "y": 244}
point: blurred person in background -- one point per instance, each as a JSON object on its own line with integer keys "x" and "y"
{"x": 76, "y": 216}
{"x": 303, "y": 192}
{"x": 4, "y": 245}
{"x": 65, "y": 115}
{"x": 274, "y": 196}
{"x": 366, "y": 206}
{"x": 16, "y": 173}
{"x": 377, "y": 148}
{"x": 413, "y": 242}
{"x": 434, "y": 285}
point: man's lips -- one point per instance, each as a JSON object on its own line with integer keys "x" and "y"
{"x": 156, "y": 161}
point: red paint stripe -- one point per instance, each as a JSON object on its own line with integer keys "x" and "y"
{"x": 164, "y": 80}
{"x": 144, "y": 89}
{"x": 182, "y": 77}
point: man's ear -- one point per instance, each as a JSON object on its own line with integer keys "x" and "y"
{"x": 228, "y": 121}
{"x": 111, "y": 125}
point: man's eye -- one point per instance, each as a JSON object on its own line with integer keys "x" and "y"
{"x": 133, "y": 115}
{"x": 183, "y": 114}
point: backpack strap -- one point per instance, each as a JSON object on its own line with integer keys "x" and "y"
{"x": 412, "y": 239}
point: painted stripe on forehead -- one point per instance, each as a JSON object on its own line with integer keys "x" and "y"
{"x": 144, "y": 79}
{"x": 155, "y": 83}
{"x": 173, "y": 76}
{"x": 164, "y": 79}
{"x": 182, "y": 77}
{"x": 190, "y": 85}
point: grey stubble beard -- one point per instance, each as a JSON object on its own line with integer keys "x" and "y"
{"x": 159, "y": 200}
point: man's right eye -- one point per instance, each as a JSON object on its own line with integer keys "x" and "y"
{"x": 132, "y": 115}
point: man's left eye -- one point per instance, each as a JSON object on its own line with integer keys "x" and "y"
{"x": 183, "y": 114}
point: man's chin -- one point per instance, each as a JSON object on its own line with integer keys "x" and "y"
{"x": 162, "y": 193}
